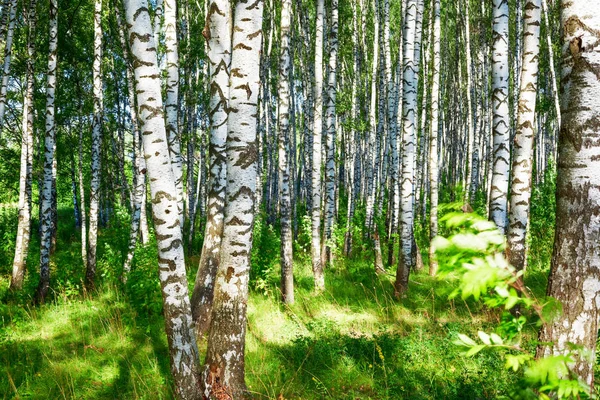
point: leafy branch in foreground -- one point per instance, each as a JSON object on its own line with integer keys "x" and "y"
{"x": 473, "y": 253}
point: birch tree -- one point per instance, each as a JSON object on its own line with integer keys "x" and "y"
{"x": 433, "y": 137}
{"x": 223, "y": 374}
{"x": 49, "y": 147}
{"x": 287, "y": 276}
{"x": 331, "y": 133}
{"x": 522, "y": 165}
{"x": 575, "y": 272}
{"x": 172, "y": 99}
{"x": 171, "y": 262}
{"x": 409, "y": 99}
{"x": 90, "y": 274}
{"x": 25, "y": 173}
{"x": 218, "y": 35}
{"x": 7, "y": 57}
{"x": 316, "y": 153}
{"x": 501, "y": 118}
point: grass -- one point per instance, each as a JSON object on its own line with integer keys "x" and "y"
{"x": 355, "y": 341}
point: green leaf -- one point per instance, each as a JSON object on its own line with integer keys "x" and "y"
{"x": 474, "y": 350}
{"x": 485, "y": 338}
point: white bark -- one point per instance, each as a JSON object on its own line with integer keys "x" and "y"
{"x": 25, "y": 173}
{"x": 406, "y": 257}
{"x": 501, "y": 122}
{"x": 172, "y": 101}
{"x": 287, "y": 276}
{"x": 223, "y": 374}
{"x": 49, "y": 146}
{"x": 316, "y": 164}
{"x": 433, "y": 137}
{"x": 7, "y": 57}
{"x": 522, "y": 164}
{"x": 575, "y": 272}
{"x": 218, "y": 34}
{"x": 90, "y": 274}
{"x": 171, "y": 261}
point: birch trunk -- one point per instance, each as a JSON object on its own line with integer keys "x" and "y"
{"x": 223, "y": 374}
{"x": 316, "y": 164}
{"x": 409, "y": 98}
{"x": 176, "y": 306}
{"x": 501, "y": 121}
{"x": 139, "y": 181}
{"x": 522, "y": 165}
{"x": 7, "y": 58}
{"x": 172, "y": 101}
{"x": 330, "y": 124}
{"x": 433, "y": 137}
{"x": 287, "y": 276}
{"x": 218, "y": 34}
{"x": 25, "y": 174}
{"x": 90, "y": 274}
{"x": 373, "y": 155}
{"x": 49, "y": 146}
{"x": 575, "y": 271}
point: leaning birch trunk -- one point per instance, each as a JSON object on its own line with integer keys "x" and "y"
{"x": 176, "y": 305}
{"x": 25, "y": 174}
{"x": 522, "y": 165}
{"x": 501, "y": 122}
{"x": 138, "y": 162}
{"x": 171, "y": 103}
{"x": 287, "y": 276}
{"x": 330, "y": 124}
{"x": 218, "y": 34}
{"x": 433, "y": 138}
{"x": 575, "y": 271}
{"x": 317, "y": 267}
{"x": 90, "y": 274}
{"x": 409, "y": 109}
{"x": 7, "y": 58}
{"x": 49, "y": 146}
{"x": 223, "y": 374}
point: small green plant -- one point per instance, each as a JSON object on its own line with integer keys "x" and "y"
{"x": 473, "y": 253}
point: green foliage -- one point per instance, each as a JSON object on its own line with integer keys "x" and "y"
{"x": 543, "y": 216}
{"x": 474, "y": 253}
{"x": 266, "y": 246}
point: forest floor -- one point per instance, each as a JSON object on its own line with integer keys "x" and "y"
{"x": 354, "y": 341}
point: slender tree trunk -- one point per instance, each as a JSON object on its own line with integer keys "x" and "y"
{"x": 330, "y": 198}
{"x": 433, "y": 138}
{"x": 406, "y": 256}
{"x": 373, "y": 156}
{"x": 172, "y": 101}
{"x": 522, "y": 165}
{"x": 551, "y": 63}
{"x": 469, "y": 187}
{"x": 501, "y": 123}
{"x": 223, "y": 374}
{"x": 218, "y": 34}
{"x": 139, "y": 181}
{"x": 7, "y": 58}
{"x": 90, "y": 274}
{"x": 171, "y": 261}
{"x": 316, "y": 164}
{"x": 287, "y": 276}
{"x": 49, "y": 146}
{"x": 25, "y": 175}
{"x": 575, "y": 271}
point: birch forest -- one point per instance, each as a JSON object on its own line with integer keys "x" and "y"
{"x": 299, "y": 199}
